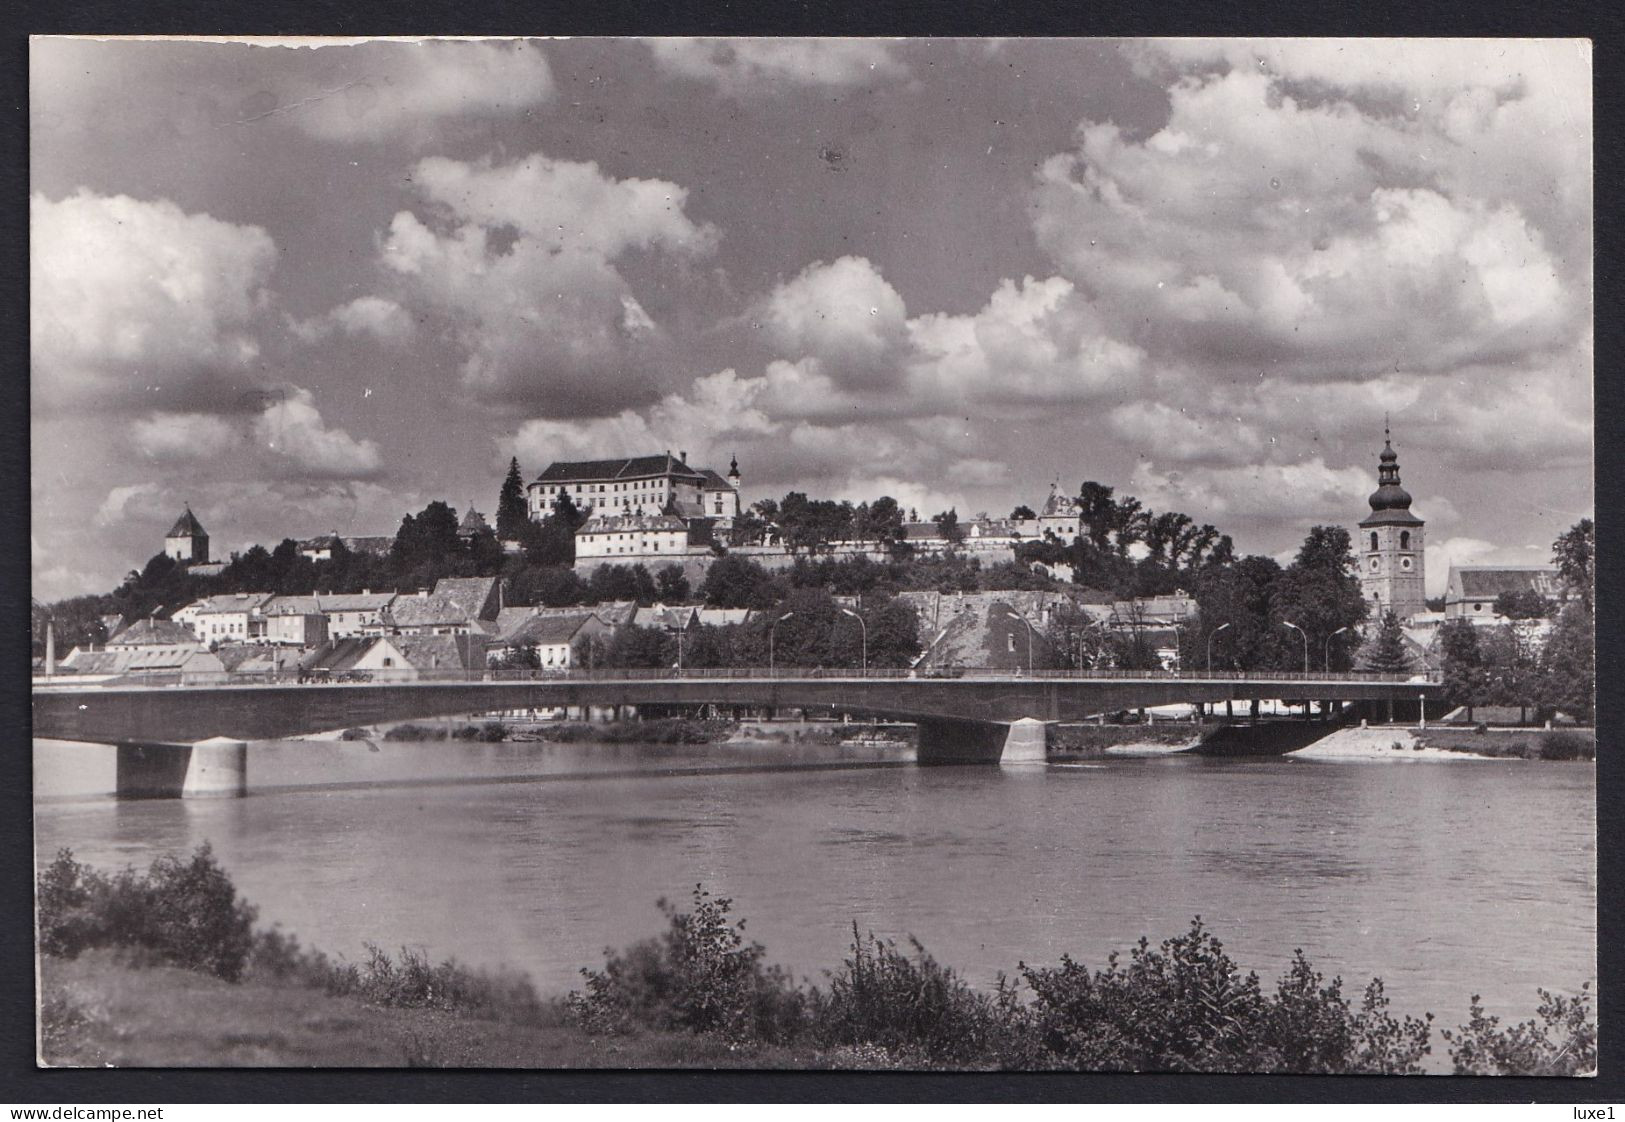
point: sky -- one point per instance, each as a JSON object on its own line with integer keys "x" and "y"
{"x": 314, "y": 288}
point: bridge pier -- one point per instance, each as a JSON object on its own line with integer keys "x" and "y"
{"x": 213, "y": 768}
{"x": 948, "y": 740}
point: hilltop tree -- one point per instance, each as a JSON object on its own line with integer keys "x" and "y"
{"x": 1320, "y": 591}
{"x": 426, "y": 540}
{"x": 1574, "y": 554}
{"x": 567, "y": 515}
{"x": 671, "y": 584}
{"x": 736, "y": 582}
{"x": 512, "y": 517}
{"x": 1022, "y": 513}
{"x": 948, "y": 522}
{"x": 886, "y": 521}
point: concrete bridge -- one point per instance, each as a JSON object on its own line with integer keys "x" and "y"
{"x": 192, "y": 737}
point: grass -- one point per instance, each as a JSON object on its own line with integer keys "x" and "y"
{"x": 1523, "y": 744}
{"x": 100, "y": 1010}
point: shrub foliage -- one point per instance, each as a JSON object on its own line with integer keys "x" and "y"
{"x": 1181, "y": 1006}
{"x": 182, "y": 912}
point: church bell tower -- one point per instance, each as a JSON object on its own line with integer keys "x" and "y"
{"x": 1389, "y": 545}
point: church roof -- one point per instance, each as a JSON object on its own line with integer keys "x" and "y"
{"x": 187, "y": 526}
{"x": 714, "y": 482}
{"x": 1486, "y": 582}
{"x": 473, "y": 522}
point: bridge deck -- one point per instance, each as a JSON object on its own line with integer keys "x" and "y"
{"x": 124, "y": 713}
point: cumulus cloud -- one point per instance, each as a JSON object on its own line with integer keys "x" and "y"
{"x": 377, "y": 92}
{"x": 1257, "y": 231}
{"x": 1296, "y": 493}
{"x": 113, "y": 506}
{"x": 843, "y": 313}
{"x": 1323, "y": 233}
{"x": 372, "y": 317}
{"x": 526, "y": 275}
{"x": 292, "y": 428}
{"x": 134, "y": 300}
{"x": 182, "y": 436}
{"x": 1034, "y": 342}
{"x": 717, "y": 407}
{"x": 1160, "y": 430}
{"x": 763, "y": 66}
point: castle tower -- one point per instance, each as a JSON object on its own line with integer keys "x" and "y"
{"x": 186, "y": 541}
{"x": 733, "y": 472}
{"x": 1389, "y": 545}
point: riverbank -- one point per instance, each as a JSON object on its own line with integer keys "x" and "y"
{"x": 101, "y": 1010}
{"x": 123, "y": 985}
{"x": 1390, "y": 742}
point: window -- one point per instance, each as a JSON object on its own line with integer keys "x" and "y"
{"x": 1373, "y": 564}
{"x": 1478, "y": 607}
{"x": 1404, "y": 562}
{"x": 1010, "y": 641}
{"x": 1373, "y": 541}
{"x": 1404, "y": 539}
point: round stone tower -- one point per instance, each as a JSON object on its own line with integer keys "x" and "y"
{"x": 1389, "y": 545}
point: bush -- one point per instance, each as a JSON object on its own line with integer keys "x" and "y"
{"x": 1566, "y": 746}
{"x": 184, "y": 913}
{"x": 413, "y": 982}
{"x": 1187, "y": 1007}
{"x": 415, "y": 732}
{"x": 1181, "y": 1007}
{"x": 1562, "y": 1042}
{"x": 701, "y": 976}
{"x": 915, "y": 1008}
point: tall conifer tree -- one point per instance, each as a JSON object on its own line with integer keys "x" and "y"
{"x": 511, "y": 513}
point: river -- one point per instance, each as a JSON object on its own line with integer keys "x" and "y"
{"x": 1446, "y": 878}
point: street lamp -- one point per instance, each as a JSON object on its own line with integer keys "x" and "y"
{"x": 1305, "y": 639}
{"x": 1029, "y": 624}
{"x": 770, "y": 632}
{"x": 1210, "y": 635}
{"x": 1329, "y": 639}
{"x": 865, "y": 626}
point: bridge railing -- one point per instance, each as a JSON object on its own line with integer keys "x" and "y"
{"x": 396, "y": 676}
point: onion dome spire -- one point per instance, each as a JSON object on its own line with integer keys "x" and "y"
{"x": 1389, "y": 502}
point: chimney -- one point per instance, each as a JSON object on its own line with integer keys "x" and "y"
{"x": 682, "y": 457}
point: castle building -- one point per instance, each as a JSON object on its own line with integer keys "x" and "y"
{"x": 637, "y": 487}
{"x": 186, "y": 541}
{"x": 1389, "y": 545}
